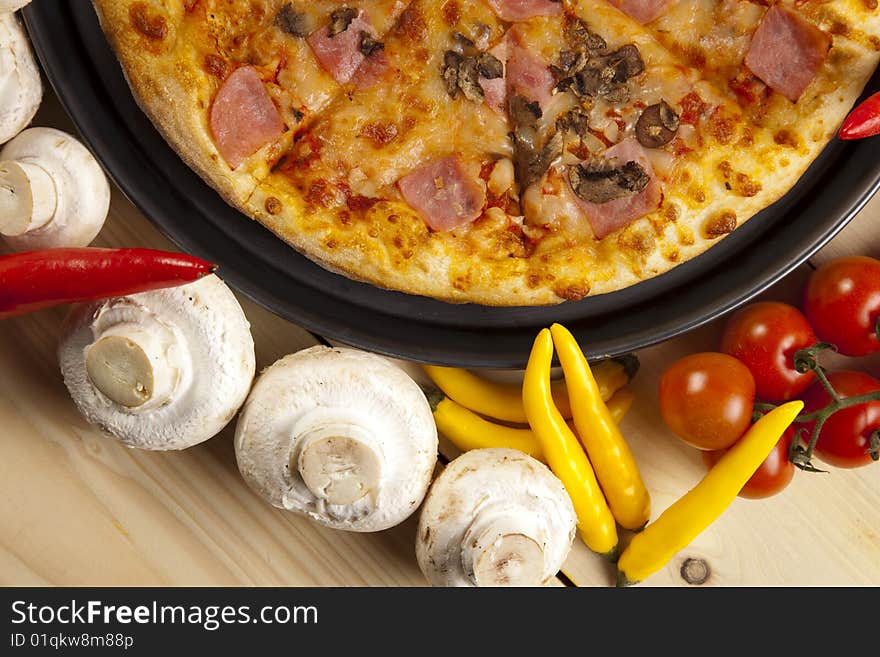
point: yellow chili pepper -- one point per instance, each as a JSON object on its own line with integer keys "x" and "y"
{"x": 503, "y": 401}
{"x": 611, "y": 457}
{"x": 467, "y": 430}
{"x": 676, "y": 527}
{"x": 620, "y": 403}
{"x": 564, "y": 455}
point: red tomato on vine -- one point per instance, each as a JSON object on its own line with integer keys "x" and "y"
{"x": 764, "y": 336}
{"x": 842, "y": 302}
{"x": 849, "y": 435}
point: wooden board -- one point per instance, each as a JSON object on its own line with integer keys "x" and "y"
{"x": 79, "y": 509}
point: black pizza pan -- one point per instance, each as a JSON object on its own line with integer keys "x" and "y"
{"x": 87, "y": 78}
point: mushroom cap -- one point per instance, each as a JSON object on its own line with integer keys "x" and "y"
{"x": 82, "y": 189}
{"x": 21, "y": 89}
{"x": 499, "y": 483}
{"x": 323, "y": 385}
{"x": 214, "y": 348}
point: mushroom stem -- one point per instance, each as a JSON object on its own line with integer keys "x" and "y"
{"x": 502, "y": 547}
{"x": 129, "y": 365}
{"x": 28, "y": 197}
{"x": 339, "y": 462}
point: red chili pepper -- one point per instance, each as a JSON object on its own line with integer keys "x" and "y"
{"x": 41, "y": 279}
{"x": 863, "y": 121}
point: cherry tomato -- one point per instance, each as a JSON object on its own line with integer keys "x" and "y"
{"x": 707, "y": 399}
{"x": 773, "y": 475}
{"x": 846, "y": 436}
{"x": 765, "y": 336}
{"x": 842, "y": 302}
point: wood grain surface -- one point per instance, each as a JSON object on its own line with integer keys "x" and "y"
{"x": 77, "y": 508}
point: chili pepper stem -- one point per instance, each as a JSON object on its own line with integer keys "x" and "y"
{"x": 874, "y": 449}
{"x": 434, "y": 397}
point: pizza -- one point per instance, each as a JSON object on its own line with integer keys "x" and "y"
{"x": 499, "y": 152}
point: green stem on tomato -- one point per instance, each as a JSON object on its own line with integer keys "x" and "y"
{"x": 836, "y": 405}
{"x": 874, "y": 446}
{"x": 823, "y": 379}
{"x": 762, "y": 408}
{"x": 806, "y": 360}
{"x": 802, "y": 457}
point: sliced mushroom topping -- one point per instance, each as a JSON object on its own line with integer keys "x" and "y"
{"x": 627, "y": 62}
{"x": 531, "y": 158}
{"x": 617, "y": 93}
{"x": 462, "y": 73}
{"x": 606, "y": 76}
{"x": 369, "y": 45}
{"x": 469, "y": 80}
{"x": 541, "y": 161}
{"x": 600, "y": 180}
{"x": 570, "y": 63}
{"x": 464, "y": 45}
{"x": 451, "y": 61}
{"x": 489, "y": 66}
{"x": 594, "y": 80}
{"x": 524, "y": 112}
{"x": 531, "y": 164}
{"x": 340, "y": 19}
{"x": 576, "y": 121}
{"x": 578, "y": 33}
{"x": 292, "y": 22}
{"x": 657, "y": 125}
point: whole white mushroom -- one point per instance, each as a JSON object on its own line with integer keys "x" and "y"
{"x": 160, "y": 370}
{"x": 53, "y": 193}
{"x": 495, "y": 517}
{"x": 339, "y": 435}
{"x": 21, "y": 90}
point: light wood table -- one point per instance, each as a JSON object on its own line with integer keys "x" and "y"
{"x": 76, "y": 508}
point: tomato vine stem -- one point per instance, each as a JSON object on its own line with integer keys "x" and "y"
{"x": 806, "y": 360}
